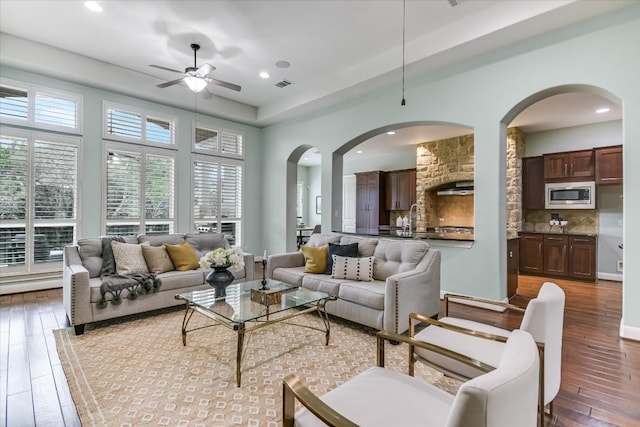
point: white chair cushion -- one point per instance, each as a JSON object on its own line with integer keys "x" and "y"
{"x": 382, "y": 397}
{"x": 481, "y": 349}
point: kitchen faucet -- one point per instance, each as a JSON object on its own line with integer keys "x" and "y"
{"x": 411, "y": 217}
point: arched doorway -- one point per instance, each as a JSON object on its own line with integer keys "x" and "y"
{"x": 576, "y": 122}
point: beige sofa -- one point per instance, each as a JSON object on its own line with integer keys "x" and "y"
{"x": 406, "y": 277}
{"x": 82, "y": 264}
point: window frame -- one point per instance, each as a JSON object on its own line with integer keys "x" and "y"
{"x": 32, "y": 92}
{"x": 144, "y": 116}
{"x": 219, "y": 220}
{"x": 220, "y": 131}
{"x": 143, "y": 151}
{"x": 31, "y": 222}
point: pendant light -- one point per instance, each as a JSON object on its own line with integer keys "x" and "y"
{"x": 404, "y": 19}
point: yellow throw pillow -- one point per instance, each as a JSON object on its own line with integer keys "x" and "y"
{"x": 315, "y": 258}
{"x": 183, "y": 256}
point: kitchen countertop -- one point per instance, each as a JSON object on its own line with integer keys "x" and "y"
{"x": 566, "y": 233}
{"x": 466, "y": 237}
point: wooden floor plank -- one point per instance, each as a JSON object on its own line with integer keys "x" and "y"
{"x": 600, "y": 371}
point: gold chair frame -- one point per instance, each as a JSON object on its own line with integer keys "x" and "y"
{"x": 293, "y": 388}
{"x": 415, "y": 318}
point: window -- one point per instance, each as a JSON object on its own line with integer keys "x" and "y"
{"x": 38, "y": 199}
{"x": 217, "y": 142}
{"x": 129, "y": 124}
{"x": 217, "y": 197}
{"x": 39, "y": 108}
{"x": 140, "y": 190}
{"x": 299, "y": 199}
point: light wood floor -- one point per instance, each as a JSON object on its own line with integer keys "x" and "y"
{"x": 600, "y": 371}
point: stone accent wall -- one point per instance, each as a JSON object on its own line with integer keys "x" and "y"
{"x": 441, "y": 162}
{"x": 515, "y": 153}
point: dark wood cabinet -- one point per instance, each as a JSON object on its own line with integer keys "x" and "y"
{"x": 609, "y": 165}
{"x": 370, "y": 203}
{"x": 533, "y": 182}
{"x": 559, "y": 255}
{"x": 556, "y": 257}
{"x": 569, "y": 166}
{"x": 513, "y": 260}
{"x": 582, "y": 257}
{"x": 531, "y": 253}
{"x": 400, "y": 189}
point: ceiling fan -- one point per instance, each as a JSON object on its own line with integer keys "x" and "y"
{"x": 194, "y": 77}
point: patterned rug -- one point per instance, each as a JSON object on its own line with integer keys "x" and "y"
{"x": 135, "y": 371}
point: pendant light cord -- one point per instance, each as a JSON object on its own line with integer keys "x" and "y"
{"x": 404, "y": 18}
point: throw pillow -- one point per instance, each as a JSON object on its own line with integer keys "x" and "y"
{"x": 157, "y": 258}
{"x": 350, "y": 250}
{"x": 315, "y": 258}
{"x": 128, "y": 258}
{"x": 183, "y": 256}
{"x": 353, "y": 268}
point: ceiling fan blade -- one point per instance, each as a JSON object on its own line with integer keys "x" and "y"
{"x": 166, "y": 69}
{"x": 171, "y": 83}
{"x": 204, "y": 70}
{"x": 228, "y": 85}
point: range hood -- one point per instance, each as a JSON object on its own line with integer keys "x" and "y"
{"x": 460, "y": 188}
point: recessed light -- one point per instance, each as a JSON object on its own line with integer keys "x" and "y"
{"x": 264, "y": 75}
{"x": 305, "y": 158}
{"x": 391, "y": 132}
{"x": 359, "y": 152}
{"x": 603, "y": 110}
{"x": 93, "y": 6}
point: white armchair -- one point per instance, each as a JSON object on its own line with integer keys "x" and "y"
{"x": 485, "y": 344}
{"x": 504, "y": 397}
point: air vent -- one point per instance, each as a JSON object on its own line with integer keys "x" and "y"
{"x": 283, "y": 83}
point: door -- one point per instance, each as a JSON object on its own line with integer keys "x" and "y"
{"x": 349, "y": 204}
{"x": 582, "y": 257}
{"x": 556, "y": 258}
{"x": 530, "y": 253}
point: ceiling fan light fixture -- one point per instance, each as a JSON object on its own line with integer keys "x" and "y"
{"x": 196, "y": 84}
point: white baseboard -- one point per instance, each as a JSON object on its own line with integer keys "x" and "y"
{"x": 610, "y": 276}
{"x": 478, "y": 304}
{"x": 629, "y": 332}
{"x": 36, "y": 285}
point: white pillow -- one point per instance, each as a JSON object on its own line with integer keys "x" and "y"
{"x": 352, "y": 268}
{"x": 129, "y": 258}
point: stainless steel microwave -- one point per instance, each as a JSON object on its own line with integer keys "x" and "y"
{"x": 570, "y": 195}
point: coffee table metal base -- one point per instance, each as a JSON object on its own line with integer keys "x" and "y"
{"x": 242, "y": 328}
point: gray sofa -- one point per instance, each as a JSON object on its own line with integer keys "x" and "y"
{"x": 406, "y": 277}
{"x": 82, "y": 264}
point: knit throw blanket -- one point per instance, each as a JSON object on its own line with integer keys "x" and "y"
{"x": 114, "y": 283}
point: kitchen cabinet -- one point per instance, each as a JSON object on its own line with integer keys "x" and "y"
{"x": 609, "y": 165}
{"x": 531, "y": 252}
{"x": 512, "y": 267}
{"x": 556, "y": 258}
{"x": 582, "y": 257}
{"x": 370, "y": 202}
{"x": 558, "y": 255}
{"x": 569, "y": 166}
{"x": 533, "y": 182}
{"x": 400, "y": 189}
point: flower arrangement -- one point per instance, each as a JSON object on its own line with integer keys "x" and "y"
{"x": 232, "y": 258}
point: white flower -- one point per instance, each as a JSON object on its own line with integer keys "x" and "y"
{"x": 232, "y": 258}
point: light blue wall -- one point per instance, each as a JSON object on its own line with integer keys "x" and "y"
{"x": 402, "y": 158}
{"x": 479, "y": 94}
{"x": 91, "y": 167}
{"x": 574, "y": 138}
{"x": 609, "y": 228}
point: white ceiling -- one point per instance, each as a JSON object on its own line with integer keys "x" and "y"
{"x": 338, "y": 49}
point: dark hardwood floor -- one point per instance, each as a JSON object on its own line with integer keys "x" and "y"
{"x": 600, "y": 371}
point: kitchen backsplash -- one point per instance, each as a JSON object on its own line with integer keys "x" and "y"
{"x": 455, "y": 211}
{"x": 581, "y": 221}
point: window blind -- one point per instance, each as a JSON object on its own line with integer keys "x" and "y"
{"x": 55, "y": 180}
{"x": 159, "y": 187}
{"x": 13, "y": 179}
{"x": 126, "y": 123}
{"x": 206, "y": 139}
{"x": 124, "y": 177}
{"x": 56, "y": 110}
{"x": 205, "y": 188}
{"x": 14, "y": 103}
{"x": 231, "y": 143}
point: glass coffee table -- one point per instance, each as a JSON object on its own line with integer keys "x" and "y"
{"x": 239, "y": 312}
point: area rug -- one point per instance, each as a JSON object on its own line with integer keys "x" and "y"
{"x": 135, "y": 371}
